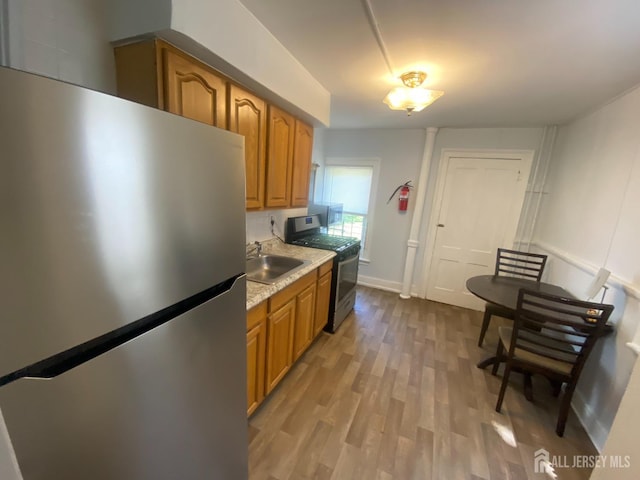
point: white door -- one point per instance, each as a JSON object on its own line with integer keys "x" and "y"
{"x": 478, "y": 206}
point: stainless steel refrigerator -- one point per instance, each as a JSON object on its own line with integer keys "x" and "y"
{"x": 122, "y": 299}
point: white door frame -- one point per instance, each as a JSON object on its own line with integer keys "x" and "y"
{"x": 526, "y": 156}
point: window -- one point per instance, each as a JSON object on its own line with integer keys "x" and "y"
{"x": 351, "y": 182}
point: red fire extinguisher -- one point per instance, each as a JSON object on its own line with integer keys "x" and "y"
{"x": 403, "y": 198}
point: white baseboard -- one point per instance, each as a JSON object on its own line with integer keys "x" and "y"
{"x": 635, "y": 347}
{"x": 380, "y": 284}
{"x": 386, "y": 285}
{"x": 589, "y": 420}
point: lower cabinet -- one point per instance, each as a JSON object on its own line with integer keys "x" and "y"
{"x": 279, "y": 346}
{"x": 323, "y": 301}
{"x": 305, "y": 309}
{"x": 290, "y": 324}
{"x": 281, "y": 329}
{"x": 256, "y": 351}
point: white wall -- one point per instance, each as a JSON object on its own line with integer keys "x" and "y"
{"x": 318, "y": 157}
{"x": 589, "y": 219}
{"x": 400, "y": 154}
{"x": 466, "y": 138}
{"x": 63, "y": 39}
{"x": 259, "y": 223}
{"x": 623, "y": 440}
{"x": 130, "y": 18}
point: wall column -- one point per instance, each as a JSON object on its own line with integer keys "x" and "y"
{"x": 421, "y": 194}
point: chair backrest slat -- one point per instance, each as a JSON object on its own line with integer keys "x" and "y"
{"x": 572, "y": 338}
{"x": 520, "y": 264}
{"x": 556, "y": 328}
{"x": 588, "y": 315}
{"x": 539, "y": 320}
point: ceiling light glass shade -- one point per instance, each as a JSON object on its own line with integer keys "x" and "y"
{"x": 411, "y": 99}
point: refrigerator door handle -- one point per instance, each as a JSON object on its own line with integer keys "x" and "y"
{"x": 62, "y": 362}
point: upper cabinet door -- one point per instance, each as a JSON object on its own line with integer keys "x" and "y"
{"x": 303, "y": 145}
{"x": 277, "y": 146}
{"x": 193, "y": 90}
{"x": 248, "y": 117}
{"x": 280, "y": 158}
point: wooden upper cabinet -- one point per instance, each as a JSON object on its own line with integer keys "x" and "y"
{"x": 303, "y": 145}
{"x": 159, "y": 75}
{"x": 138, "y": 73}
{"x": 281, "y": 132}
{"x": 193, "y": 90}
{"x": 277, "y": 145}
{"x": 248, "y": 117}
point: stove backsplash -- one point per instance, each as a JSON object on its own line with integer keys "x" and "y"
{"x": 259, "y": 223}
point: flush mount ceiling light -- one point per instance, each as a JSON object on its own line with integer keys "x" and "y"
{"x": 412, "y": 97}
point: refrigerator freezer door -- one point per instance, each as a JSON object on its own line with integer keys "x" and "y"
{"x": 109, "y": 211}
{"x": 170, "y": 404}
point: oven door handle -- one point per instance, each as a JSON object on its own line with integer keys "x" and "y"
{"x": 352, "y": 259}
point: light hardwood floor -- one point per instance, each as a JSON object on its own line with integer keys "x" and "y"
{"x": 395, "y": 394}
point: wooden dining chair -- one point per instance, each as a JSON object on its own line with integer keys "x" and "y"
{"x": 552, "y": 336}
{"x": 512, "y": 263}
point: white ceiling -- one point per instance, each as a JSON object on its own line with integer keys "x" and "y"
{"x": 500, "y": 62}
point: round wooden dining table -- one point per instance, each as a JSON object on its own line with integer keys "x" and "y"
{"x": 503, "y": 291}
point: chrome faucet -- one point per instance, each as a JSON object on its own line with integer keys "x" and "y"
{"x": 256, "y": 248}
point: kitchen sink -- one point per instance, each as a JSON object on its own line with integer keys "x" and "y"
{"x": 271, "y": 268}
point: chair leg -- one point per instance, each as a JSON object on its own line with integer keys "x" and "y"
{"x": 564, "y": 408}
{"x": 486, "y": 319}
{"x": 503, "y": 387}
{"x": 556, "y": 387}
{"x": 528, "y": 387}
{"x": 499, "y": 355}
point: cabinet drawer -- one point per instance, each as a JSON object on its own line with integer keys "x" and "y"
{"x": 256, "y": 315}
{"x": 325, "y": 268}
{"x": 283, "y": 296}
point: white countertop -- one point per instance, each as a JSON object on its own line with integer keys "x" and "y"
{"x": 259, "y": 292}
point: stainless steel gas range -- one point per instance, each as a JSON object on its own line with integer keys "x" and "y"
{"x": 306, "y": 232}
